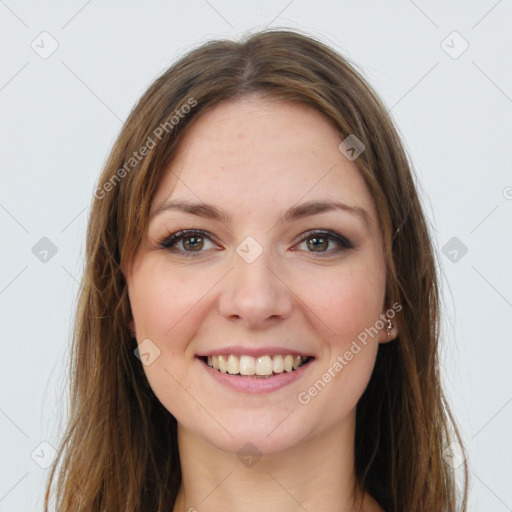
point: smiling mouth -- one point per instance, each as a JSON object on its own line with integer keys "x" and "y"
{"x": 262, "y": 367}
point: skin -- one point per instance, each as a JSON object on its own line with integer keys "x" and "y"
{"x": 256, "y": 158}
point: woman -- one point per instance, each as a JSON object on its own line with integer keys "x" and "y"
{"x": 258, "y": 320}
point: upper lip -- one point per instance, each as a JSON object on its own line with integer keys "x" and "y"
{"x": 238, "y": 350}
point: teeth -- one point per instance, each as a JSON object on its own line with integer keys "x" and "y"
{"x": 264, "y": 365}
{"x": 223, "y": 364}
{"x": 260, "y": 366}
{"x": 278, "y": 364}
{"x": 233, "y": 365}
{"x": 247, "y": 365}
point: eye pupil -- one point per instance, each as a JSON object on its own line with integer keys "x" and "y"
{"x": 193, "y": 243}
{"x": 317, "y": 243}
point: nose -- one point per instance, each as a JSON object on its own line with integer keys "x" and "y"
{"x": 255, "y": 294}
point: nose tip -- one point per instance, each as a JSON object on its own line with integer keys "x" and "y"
{"x": 254, "y": 294}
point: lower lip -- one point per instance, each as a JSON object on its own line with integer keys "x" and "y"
{"x": 248, "y": 384}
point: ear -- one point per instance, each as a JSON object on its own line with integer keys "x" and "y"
{"x": 131, "y": 325}
{"x": 385, "y": 335}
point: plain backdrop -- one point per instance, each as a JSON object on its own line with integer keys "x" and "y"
{"x": 70, "y": 72}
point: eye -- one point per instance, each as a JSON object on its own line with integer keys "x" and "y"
{"x": 188, "y": 242}
{"x": 324, "y": 242}
{"x": 193, "y": 242}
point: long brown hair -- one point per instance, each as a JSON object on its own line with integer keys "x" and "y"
{"x": 120, "y": 448}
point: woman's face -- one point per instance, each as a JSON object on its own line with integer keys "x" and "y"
{"x": 268, "y": 267}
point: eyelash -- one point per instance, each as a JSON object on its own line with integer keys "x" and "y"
{"x": 170, "y": 241}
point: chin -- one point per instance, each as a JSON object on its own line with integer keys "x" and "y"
{"x": 266, "y": 435}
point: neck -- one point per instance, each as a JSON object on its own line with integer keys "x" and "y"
{"x": 318, "y": 474}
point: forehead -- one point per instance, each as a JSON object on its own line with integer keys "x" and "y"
{"x": 253, "y": 153}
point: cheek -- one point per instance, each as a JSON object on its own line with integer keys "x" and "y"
{"x": 165, "y": 301}
{"x": 168, "y": 306}
{"x": 165, "y": 304}
{"x": 346, "y": 300}
{"x": 334, "y": 393}
{"x": 346, "y": 306}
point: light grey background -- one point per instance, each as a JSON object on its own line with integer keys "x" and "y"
{"x": 59, "y": 116}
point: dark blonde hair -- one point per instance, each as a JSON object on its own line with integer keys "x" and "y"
{"x": 120, "y": 448}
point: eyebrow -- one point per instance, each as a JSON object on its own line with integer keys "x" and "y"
{"x": 294, "y": 213}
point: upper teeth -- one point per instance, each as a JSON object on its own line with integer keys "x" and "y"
{"x": 248, "y": 365}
